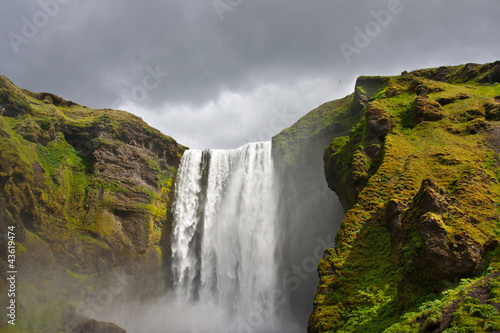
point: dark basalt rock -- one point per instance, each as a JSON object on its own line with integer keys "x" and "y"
{"x": 378, "y": 119}
{"x": 441, "y": 74}
{"x": 435, "y": 231}
{"x": 446, "y": 159}
{"x": 90, "y": 194}
{"x": 478, "y": 125}
{"x": 443, "y": 256}
{"x": 474, "y": 113}
{"x": 494, "y": 73}
{"x": 392, "y": 221}
{"x": 443, "y": 259}
{"x": 426, "y": 110}
{"x": 429, "y": 199}
{"x": 492, "y": 111}
{"x": 448, "y": 100}
{"x": 422, "y": 88}
{"x": 94, "y": 326}
{"x": 53, "y": 99}
{"x": 11, "y": 109}
{"x": 77, "y": 323}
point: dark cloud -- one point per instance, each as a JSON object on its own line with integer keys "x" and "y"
{"x": 103, "y": 53}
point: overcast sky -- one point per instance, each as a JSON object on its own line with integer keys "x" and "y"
{"x": 218, "y": 74}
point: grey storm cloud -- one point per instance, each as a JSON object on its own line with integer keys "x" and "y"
{"x": 218, "y": 73}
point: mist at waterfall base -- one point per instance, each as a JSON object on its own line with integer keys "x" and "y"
{"x": 248, "y": 234}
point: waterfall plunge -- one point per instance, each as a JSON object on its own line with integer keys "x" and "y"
{"x": 245, "y": 242}
{"x": 225, "y": 235}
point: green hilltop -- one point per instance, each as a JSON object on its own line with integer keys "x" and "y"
{"x": 418, "y": 176}
{"x": 89, "y": 193}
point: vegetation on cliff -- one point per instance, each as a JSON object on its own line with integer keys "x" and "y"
{"x": 418, "y": 176}
{"x": 415, "y": 161}
{"x": 89, "y": 192}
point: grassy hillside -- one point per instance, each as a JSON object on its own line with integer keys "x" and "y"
{"x": 418, "y": 176}
{"x": 415, "y": 161}
{"x": 322, "y": 123}
{"x": 89, "y": 193}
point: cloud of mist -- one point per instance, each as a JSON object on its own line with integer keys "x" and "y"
{"x": 168, "y": 314}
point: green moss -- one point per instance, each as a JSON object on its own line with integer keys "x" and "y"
{"x": 374, "y": 87}
{"x": 335, "y": 116}
{"x": 369, "y": 290}
{"x": 39, "y": 310}
{"x": 12, "y": 329}
{"x": 153, "y": 165}
{"x": 407, "y": 117}
{"x": 59, "y": 152}
{"x": 20, "y": 248}
{"x": 68, "y": 209}
{"x": 474, "y": 317}
{"x": 157, "y": 133}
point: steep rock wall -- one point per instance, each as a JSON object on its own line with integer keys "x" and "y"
{"x": 418, "y": 176}
{"x": 89, "y": 193}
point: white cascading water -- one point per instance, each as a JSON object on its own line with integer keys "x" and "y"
{"x": 223, "y": 251}
{"x": 247, "y": 236}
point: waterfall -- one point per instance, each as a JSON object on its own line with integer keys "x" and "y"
{"x": 247, "y": 235}
{"x": 223, "y": 249}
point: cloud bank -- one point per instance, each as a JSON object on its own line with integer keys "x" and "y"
{"x": 214, "y": 74}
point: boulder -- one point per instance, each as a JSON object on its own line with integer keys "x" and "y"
{"x": 378, "y": 120}
{"x": 392, "y": 220}
{"x": 94, "y": 326}
{"x": 478, "y": 125}
{"x": 492, "y": 111}
{"x": 442, "y": 255}
{"x": 426, "y": 110}
{"x": 446, "y": 256}
{"x": 452, "y": 99}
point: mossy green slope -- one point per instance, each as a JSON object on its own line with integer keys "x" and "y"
{"x": 418, "y": 176}
{"x": 89, "y": 192}
{"x": 322, "y": 123}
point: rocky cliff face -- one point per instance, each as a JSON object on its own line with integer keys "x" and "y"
{"x": 419, "y": 177}
{"x": 415, "y": 162}
{"x": 308, "y": 210}
{"x": 89, "y": 193}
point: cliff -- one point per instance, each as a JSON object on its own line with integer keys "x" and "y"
{"x": 89, "y": 193}
{"x": 418, "y": 176}
{"x": 414, "y": 160}
{"x": 308, "y": 211}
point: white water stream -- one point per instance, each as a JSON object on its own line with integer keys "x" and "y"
{"x": 246, "y": 240}
{"x": 225, "y": 235}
